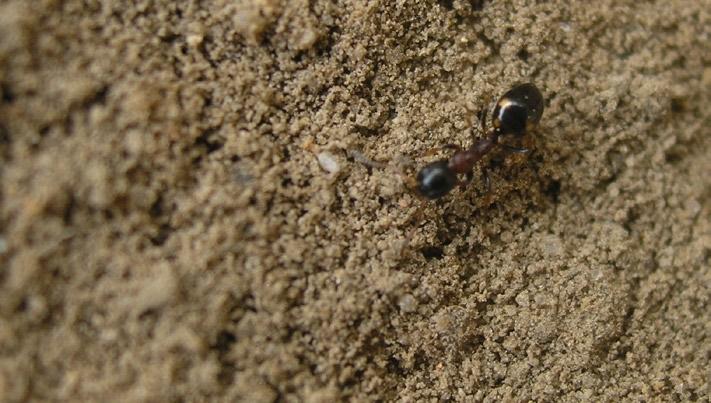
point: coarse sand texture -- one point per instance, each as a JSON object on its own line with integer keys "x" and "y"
{"x": 212, "y": 200}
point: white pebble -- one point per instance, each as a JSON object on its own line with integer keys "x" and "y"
{"x": 407, "y": 303}
{"x": 194, "y": 40}
{"x": 328, "y": 162}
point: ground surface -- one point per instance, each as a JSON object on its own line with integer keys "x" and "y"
{"x": 168, "y": 233}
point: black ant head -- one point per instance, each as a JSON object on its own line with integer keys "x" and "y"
{"x": 518, "y": 110}
{"x": 436, "y": 180}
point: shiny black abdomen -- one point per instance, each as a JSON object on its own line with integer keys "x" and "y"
{"x": 518, "y": 110}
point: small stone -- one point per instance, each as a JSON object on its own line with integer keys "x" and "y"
{"x": 552, "y": 246}
{"x": 328, "y": 162}
{"x": 522, "y": 299}
{"x": 306, "y": 39}
{"x": 194, "y": 40}
{"x": 156, "y": 292}
{"x": 407, "y": 303}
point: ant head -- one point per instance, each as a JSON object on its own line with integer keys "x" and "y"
{"x": 436, "y": 179}
{"x": 518, "y": 110}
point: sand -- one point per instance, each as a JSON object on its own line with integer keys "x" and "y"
{"x": 210, "y": 201}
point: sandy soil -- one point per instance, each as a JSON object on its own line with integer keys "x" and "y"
{"x": 186, "y": 214}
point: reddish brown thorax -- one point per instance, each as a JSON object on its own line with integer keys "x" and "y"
{"x": 463, "y": 161}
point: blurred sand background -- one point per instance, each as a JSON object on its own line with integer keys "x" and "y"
{"x": 167, "y": 232}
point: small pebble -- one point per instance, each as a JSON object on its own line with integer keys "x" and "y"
{"x": 552, "y": 246}
{"x": 328, "y": 162}
{"x": 194, "y": 40}
{"x": 407, "y": 303}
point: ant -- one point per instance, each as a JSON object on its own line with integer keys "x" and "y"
{"x": 517, "y": 111}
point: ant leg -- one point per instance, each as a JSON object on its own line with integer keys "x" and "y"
{"x": 399, "y": 168}
{"x": 361, "y": 158}
{"x": 481, "y": 116}
{"x": 517, "y": 150}
{"x": 451, "y": 146}
{"x": 487, "y": 180}
{"x": 482, "y": 120}
{"x": 408, "y": 180}
{"x": 433, "y": 151}
{"x": 469, "y": 177}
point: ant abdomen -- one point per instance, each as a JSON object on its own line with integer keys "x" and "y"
{"x": 518, "y": 110}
